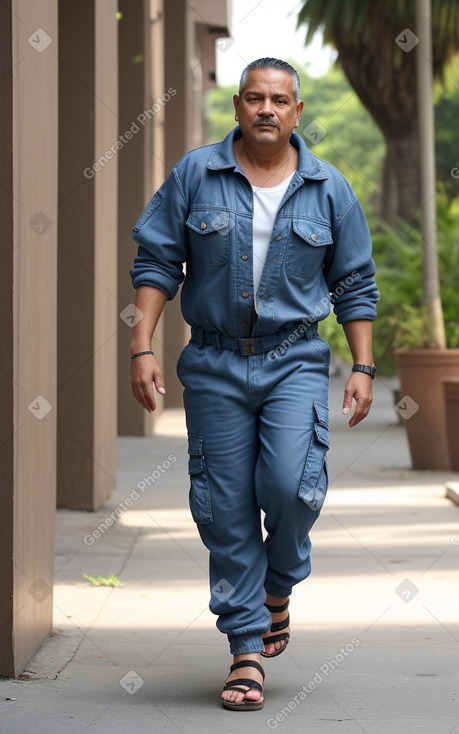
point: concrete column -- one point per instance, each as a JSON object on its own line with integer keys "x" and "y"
{"x": 173, "y": 57}
{"x": 87, "y": 298}
{"x": 28, "y": 90}
{"x": 178, "y": 134}
{"x": 141, "y": 172}
{"x": 190, "y": 33}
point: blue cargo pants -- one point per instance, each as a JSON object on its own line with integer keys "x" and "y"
{"x": 257, "y": 440}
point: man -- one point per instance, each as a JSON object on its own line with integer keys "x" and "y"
{"x": 271, "y": 236}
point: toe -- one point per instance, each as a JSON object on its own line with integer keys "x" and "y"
{"x": 233, "y": 696}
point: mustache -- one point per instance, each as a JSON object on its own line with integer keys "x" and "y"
{"x": 266, "y": 121}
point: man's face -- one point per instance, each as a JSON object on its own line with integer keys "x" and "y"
{"x": 266, "y": 109}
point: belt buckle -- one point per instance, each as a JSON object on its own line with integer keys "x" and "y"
{"x": 247, "y": 346}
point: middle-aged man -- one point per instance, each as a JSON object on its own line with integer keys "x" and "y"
{"x": 271, "y": 237}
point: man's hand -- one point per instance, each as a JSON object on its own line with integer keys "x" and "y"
{"x": 358, "y": 387}
{"x": 145, "y": 371}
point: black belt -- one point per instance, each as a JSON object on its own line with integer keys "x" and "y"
{"x": 253, "y": 344}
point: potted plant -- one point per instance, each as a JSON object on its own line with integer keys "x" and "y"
{"x": 423, "y": 370}
{"x": 386, "y": 52}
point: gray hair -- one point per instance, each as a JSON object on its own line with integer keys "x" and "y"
{"x": 268, "y": 63}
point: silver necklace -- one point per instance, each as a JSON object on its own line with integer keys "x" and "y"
{"x": 288, "y": 161}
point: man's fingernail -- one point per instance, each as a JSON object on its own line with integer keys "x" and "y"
{"x": 345, "y": 411}
{"x": 162, "y": 390}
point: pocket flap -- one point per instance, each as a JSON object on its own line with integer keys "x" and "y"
{"x": 321, "y": 411}
{"x": 196, "y": 460}
{"x": 205, "y": 221}
{"x": 195, "y": 464}
{"x": 312, "y": 232}
{"x": 322, "y": 434}
{"x": 195, "y": 445}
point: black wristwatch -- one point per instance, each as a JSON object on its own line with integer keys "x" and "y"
{"x": 368, "y": 369}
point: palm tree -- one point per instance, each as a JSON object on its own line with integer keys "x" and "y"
{"x": 376, "y": 45}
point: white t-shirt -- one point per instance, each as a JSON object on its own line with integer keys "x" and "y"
{"x": 266, "y": 202}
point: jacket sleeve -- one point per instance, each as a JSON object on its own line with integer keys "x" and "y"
{"x": 349, "y": 268}
{"x": 160, "y": 233}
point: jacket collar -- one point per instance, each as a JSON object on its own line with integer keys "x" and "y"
{"x": 223, "y": 156}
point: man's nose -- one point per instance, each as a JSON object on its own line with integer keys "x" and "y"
{"x": 266, "y": 108}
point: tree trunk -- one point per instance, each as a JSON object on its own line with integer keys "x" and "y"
{"x": 388, "y": 207}
{"x": 403, "y": 158}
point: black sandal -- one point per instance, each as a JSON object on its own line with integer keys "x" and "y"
{"x": 277, "y": 627}
{"x": 233, "y": 685}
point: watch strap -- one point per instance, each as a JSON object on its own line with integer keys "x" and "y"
{"x": 366, "y": 368}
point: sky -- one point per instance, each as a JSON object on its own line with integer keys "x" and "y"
{"x": 267, "y": 28}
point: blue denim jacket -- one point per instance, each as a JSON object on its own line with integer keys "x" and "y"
{"x": 319, "y": 253}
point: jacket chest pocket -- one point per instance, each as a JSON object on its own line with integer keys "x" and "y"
{"x": 208, "y": 234}
{"x": 307, "y": 247}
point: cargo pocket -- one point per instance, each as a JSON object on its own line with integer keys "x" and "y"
{"x": 314, "y": 483}
{"x": 200, "y": 506}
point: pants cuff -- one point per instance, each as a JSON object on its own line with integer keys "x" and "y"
{"x": 244, "y": 644}
{"x": 275, "y": 590}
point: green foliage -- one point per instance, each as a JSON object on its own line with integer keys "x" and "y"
{"x": 446, "y": 117}
{"x": 353, "y": 143}
{"x": 102, "y": 581}
{"x": 220, "y": 112}
{"x": 402, "y": 316}
{"x": 349, "y": 22}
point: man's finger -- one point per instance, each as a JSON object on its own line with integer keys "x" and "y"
{"x": 361, "y": 411}
{"x": 347, "y": 403}
{"x": 149, "y": 401}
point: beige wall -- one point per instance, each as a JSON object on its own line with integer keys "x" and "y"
{"x": 28, "y": 456}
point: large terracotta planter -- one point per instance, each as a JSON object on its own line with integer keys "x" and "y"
{"x": 422, "y": 373}
{"x": 451, "y": 400}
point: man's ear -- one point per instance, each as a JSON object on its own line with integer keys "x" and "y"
{"x": 299, "y": 110}
{"x": 236, "y": 104}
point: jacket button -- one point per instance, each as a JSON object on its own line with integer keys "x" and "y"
{"x": 245, "y": 294}
{"x": 278, "y": 238}
{"x": 314, "y": 238}
{"x": 203, "y": 225}
{"x": 244, "y": 324}
{"x": 245, "y": 257}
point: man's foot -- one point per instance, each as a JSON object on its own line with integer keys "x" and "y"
{"x": 274, "y": 648}
{"x": 248, "y": 695}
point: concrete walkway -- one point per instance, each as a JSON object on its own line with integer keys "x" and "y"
{"x": 375, "y": 643}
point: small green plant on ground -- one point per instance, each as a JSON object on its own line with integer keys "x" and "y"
{"x": 102, "y": 581}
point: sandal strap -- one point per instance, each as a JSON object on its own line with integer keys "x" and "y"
{"x": 276, "y": 638}
{"x": 278, "y": 626}
{"x": 277, "y": 608}
{"x": 248, "y": 664}
{"x": 232, "y": 685}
